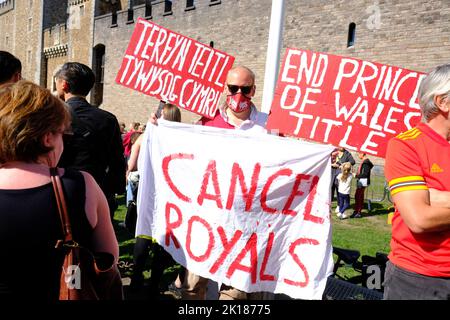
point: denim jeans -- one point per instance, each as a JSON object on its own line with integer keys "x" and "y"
{"x": 344, "y": 202}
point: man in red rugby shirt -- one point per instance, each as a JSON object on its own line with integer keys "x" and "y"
{"x": 418, "y": 171}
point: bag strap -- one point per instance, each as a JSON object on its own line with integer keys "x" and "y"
{"x": 61, "y": 203}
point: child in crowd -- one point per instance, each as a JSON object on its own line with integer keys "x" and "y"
{"x": 344, "y": 182}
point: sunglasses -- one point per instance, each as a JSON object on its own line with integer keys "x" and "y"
{"x": 244, "y": 89}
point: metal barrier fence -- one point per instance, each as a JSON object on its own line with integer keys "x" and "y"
{"x": 378, "y": 190}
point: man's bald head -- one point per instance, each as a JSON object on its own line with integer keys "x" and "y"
{"x": 241, "y": 76}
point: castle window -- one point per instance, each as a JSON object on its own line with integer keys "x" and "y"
{"x": 102, "y": 67}
{"x": 211, "y": 44}
{"x": 29, "y": 57}
{"x": 130, "y": 16}
{"x": 6, "y": 40}
{"x": 148, "y": 9}
{"x": 82, "y": 9}
{"x": 114, "y": 19}
{"x": 98, "y": 67}
{"x": 189, "y": 5}
{"x": 214, "y": 2}
{"x": 167, "y": 8}
{"x": 351, "y": 35}
{"x": 30, "y": 24}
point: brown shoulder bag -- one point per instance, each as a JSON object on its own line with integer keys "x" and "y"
{"x": 85, "y": 275}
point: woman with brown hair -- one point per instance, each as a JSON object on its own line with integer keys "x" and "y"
{"x": 32, "y": 126}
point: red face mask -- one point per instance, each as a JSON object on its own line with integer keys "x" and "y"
{"x": 238, "y": 102}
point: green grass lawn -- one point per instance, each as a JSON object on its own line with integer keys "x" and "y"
{"x": 126, "y": 245}
{"x": 369, "y": 234}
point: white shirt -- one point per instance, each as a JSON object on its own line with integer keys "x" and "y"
{"x": 344, "y": 186}
{"x": 256, "y": 122}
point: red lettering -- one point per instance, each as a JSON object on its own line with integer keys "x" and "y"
{"x": 270, "y": 180}
{"x": 250, "y": 246}
{"x": 309, "y": 202}
{"x": 172, "y": 225}
{"x": 211, "y": 241}
{"x": 165, "y": 167}
{"x": 238, "y": 175}
{"x": 211, "y": 171}
{"x": 262, "y": 276}
{"x": 227, "y": 246}
{"x": 297, "y": 260}
{"x": 295, "y": 193}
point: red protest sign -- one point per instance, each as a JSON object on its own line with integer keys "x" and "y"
{"x": 347, "y": 102}
{"x": 174, "y": 68}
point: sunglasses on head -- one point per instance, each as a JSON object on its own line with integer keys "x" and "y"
{"x": 244, "y": 89}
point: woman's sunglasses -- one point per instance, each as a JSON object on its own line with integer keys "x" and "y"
{"x": 244, "y": 89}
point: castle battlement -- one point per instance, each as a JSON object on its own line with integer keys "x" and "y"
{"x": 76, "y": 2}
{"x": 56, "y": 51}
{"x": 6, "y": 6}
{"x": 152, "y": 8}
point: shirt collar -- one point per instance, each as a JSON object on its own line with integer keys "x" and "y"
{"x": 251, "y": 119}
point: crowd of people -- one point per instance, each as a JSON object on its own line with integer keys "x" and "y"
{"x": 97, "y": 159}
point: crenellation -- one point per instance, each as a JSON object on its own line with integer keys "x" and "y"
{"x": 6, "y": 6}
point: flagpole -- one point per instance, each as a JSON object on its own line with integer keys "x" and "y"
{"x": 273, "y": 53}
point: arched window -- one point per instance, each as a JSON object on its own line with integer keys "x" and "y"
{"x": 351, "y": 35}
{"x": 211, "y": 44}
{"x": 98, "y": 66}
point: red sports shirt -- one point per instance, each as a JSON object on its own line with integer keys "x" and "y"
{"x": 419, "y": 159}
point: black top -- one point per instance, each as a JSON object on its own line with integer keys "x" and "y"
{"x": 30, "y": 266}
{"x": 364, "y": 170}
{"x": 96, "y": 146}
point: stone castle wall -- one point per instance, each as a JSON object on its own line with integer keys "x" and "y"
{"x": 410, "y": 34}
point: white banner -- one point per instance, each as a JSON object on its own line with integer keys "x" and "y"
{"x": 247, "y": 210}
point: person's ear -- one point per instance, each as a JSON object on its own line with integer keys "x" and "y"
{"x": 65, "y": 85}
{"x": 225, "y": 89}
{"x": 441, "y": 101}
{"x": 47, "y": 139}
{"x": 252, "y": 93}
{"x": 17, "y": 77}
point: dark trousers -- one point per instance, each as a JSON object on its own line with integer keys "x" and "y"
{"x": 401, "y": 284}
{"x": 112, "y": 204}
{"x": 359, "y": 199}
{"x": 160, "y": 261}
{"x": 334, "y": 189}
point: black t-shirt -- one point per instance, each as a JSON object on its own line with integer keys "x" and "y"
{"x": 29, "y": 229}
